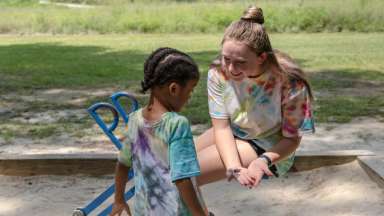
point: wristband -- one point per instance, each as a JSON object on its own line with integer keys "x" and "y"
{"x": 267, "y": 159}
{"x": 233, "y": 173}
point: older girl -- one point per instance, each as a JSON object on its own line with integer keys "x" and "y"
{"x": 260, "y": 105}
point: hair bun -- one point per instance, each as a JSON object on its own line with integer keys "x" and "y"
{"x": 253, "y": 14}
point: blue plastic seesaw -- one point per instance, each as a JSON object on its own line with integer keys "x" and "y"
{"x": 117, "y": 109}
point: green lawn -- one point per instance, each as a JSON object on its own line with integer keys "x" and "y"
{"x": 186, "y": 16}
{"x": 343, "y": 67}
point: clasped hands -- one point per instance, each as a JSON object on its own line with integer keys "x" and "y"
{"x": 251, "y": 176}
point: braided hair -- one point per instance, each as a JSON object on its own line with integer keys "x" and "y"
{"x": 165, "y": 65}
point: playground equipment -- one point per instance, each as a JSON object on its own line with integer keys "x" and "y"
{"x": 117, "y": 109}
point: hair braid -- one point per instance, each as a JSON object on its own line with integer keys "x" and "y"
{"x": 150, "y": 67}
{"x": 168, "y": 64}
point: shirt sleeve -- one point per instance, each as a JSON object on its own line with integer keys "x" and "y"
{"x": 125, "y": 154}
{"x": 216, "y": 87}
{"x": 182, "y": 153}
{"x": 297, "y": 114}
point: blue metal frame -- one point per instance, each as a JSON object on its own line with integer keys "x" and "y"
{"x": 115, "y": 101}
{"x": 116, "y": 109}
{"x": 108, "y": 130}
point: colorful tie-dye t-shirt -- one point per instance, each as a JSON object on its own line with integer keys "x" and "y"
{"x": 262, "y": 109}
{"x": 160, "y": 153}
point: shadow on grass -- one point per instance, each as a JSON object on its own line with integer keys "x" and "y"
{"x": 346, "y": 78}
{"x": 28, "y": 67}
{"x": 347, "y": 93}
{"x": 52, "y": 65}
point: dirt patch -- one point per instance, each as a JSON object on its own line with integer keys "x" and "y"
{"x": 360, "y": 133}
{"x": 58, "y": 122}
{"x": 346, "y": 84}
{"x": 372, "y": 91}
{"x": 61, "y": 96}
{"x": 53, "y": 120}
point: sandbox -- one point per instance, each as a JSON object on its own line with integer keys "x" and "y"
{"x": 322, "y": 183}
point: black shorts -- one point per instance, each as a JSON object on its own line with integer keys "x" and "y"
{"x": 259, "y": 151}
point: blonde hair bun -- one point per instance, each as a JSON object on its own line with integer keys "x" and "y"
{"x": 253, "y": 14}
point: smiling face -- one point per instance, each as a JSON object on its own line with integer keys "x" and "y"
{"x": 239, "y": 61}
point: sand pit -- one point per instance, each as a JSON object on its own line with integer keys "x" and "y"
{"x": 334, "y": 190}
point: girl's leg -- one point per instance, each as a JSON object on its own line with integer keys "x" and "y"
{"x": 211, "y": 166}
{"x": 205, "y": 140}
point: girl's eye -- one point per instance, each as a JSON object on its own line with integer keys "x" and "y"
{"x": 239, "y": 64}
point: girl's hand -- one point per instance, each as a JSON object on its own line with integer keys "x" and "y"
{"x": 256, "y": 169}
{"x": 119, "y": 207}
{"x": 241, "y": 175}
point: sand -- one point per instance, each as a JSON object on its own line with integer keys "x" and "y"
{"x": 360, "y": 134}
{"x": 337, "y": 190}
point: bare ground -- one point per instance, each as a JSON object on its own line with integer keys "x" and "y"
{"x": 56, "y": 121}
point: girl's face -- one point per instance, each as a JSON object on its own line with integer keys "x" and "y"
{"x": 239, "y": 61}
{"x": 181, "y": 94}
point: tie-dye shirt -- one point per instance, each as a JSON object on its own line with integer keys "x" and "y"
{"x": 160, "y": 153}
{"x": 262, "y": 109}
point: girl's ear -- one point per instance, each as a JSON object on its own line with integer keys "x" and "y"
{"x": 173, "y": 88}
{"x": 262, "y": 57}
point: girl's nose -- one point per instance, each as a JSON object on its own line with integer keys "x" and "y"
{"x": 231, "y": 68}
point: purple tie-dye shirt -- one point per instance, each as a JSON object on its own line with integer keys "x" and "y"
{"x": 160, "y": 153}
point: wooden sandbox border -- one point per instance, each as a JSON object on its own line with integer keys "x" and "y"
{"x": 102, "y": 164}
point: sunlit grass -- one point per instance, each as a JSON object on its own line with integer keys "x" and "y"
{"x": 124, "y": 16}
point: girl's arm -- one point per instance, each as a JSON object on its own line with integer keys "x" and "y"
{"x": 257, "y": 168}
{"x": 189, "y": 197}
{"x": 121, "y": 178}
{"x": 226, "y": 145}
{"x": 283, "y": 149}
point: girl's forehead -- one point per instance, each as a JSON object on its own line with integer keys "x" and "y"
{"x": 236, "y": 49}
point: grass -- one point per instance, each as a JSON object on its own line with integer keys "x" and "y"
{"x": 336, "y": 63}
{"x": 124, "y": 16}
{"x": 35, "y": 131}
{"x": 42, "y": 131}
{"x": 345, "y": 108}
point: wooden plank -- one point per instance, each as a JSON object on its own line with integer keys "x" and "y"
{"x": 307, "y": 160}
{"x": 58, "y": 156}
{"x": 374, "y": 166}
{"x": 104, "y": 163}
{"x": 28, "y": 167}
{"x": 356, "y": 152}
{"x": 304, "y": 163}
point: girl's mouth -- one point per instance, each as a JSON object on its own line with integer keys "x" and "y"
{"x": 235, "y": 74}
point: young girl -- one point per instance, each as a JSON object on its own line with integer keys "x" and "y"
{"x": 159, "y": 144}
